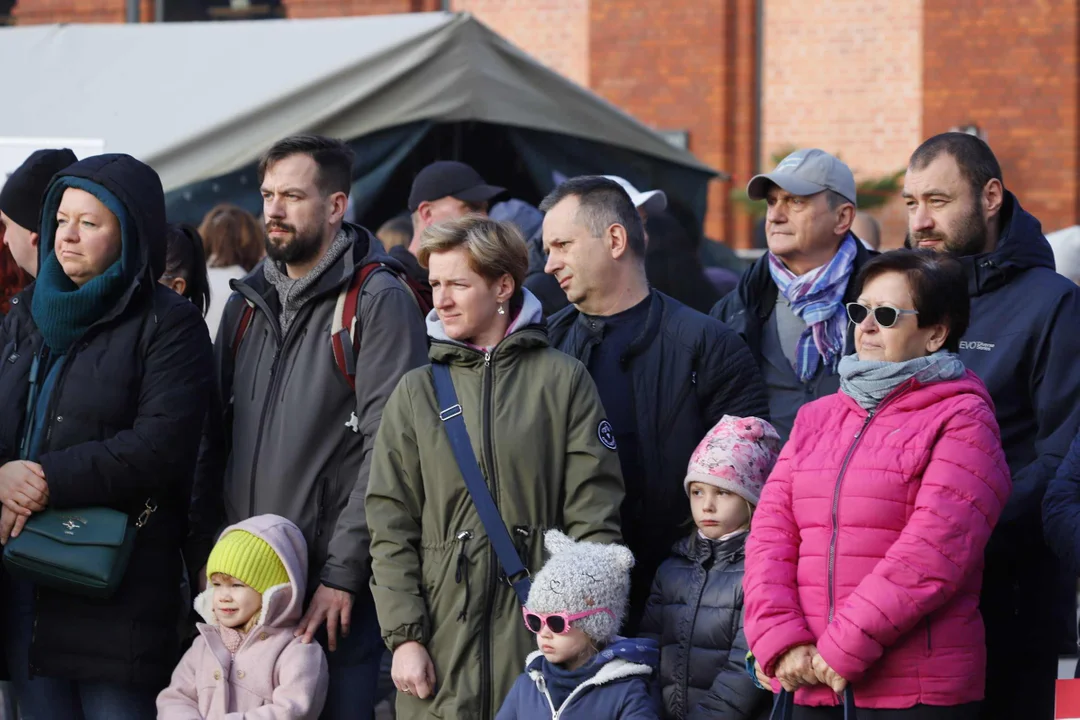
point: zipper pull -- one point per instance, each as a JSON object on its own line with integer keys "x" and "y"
{"x": 693, "y": 378}
{"x": 869, "y": 417}
{"x": 487, "y": 358}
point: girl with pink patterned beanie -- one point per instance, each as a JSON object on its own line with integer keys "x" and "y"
{"x": 695, "y": 609}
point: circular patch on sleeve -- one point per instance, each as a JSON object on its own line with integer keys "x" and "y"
{"x": 606, "y": 434}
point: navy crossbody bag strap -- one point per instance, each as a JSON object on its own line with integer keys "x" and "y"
{"x": 784, "y": 706}
{"x": 454, "y": 422}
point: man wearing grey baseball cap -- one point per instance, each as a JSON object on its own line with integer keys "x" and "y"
{"x": 789, "y": 306}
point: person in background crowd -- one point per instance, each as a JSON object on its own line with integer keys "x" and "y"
{"x": 185, "y": 265}
{"x": 12, "y": 278}
{"x": 234, "y": 241}
{"x": 444, "y": 190}
{"x": 540, "y": 435}
{"x": 867, "y": 229}
{"x": 1023, "y": 343}
{"x": 672, "y": 265}
{"x": 583, "y": 668}
{"x": 530, "y": 222}
{"x": 648, "y": 203}
{"x": 257, "y": 573}
{"x": 106, "y": 382}
{"x": 20, "y": 204}
{"x": 865, "y": 558}
{"x": 789, "y": 306}
{"x": 665, "y": 373}
{"x": 297, "y": 441}
{"x": 396, "y": 232}
{"x": 695, "y": 609}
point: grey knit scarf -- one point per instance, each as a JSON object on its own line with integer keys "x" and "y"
{"x": 868, "y": 382}
{"x": 292, "y": 294}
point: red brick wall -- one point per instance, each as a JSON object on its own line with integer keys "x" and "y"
{"x": 673, "y": 66}
{"x": 1012, "y": 70}
{"x": 846, "y": 77}
{"x": 341, "y": 8}
{"x": 555, "y": 32}
{"x": 35, "y": 12}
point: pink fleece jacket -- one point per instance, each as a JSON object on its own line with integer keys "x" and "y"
{"x": 272, "y": 675}
{"x": 869, "y": 539}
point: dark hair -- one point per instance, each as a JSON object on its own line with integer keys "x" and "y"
{"x": 185, "y": 258}
{"x": 333, "y": 157}
{"x": 672, "y": 264}
{"x": 603, "y": 203}
{"x": 939, "y": 288}
{"x": 974, "y": 157}
{"x": 232, "y": 236}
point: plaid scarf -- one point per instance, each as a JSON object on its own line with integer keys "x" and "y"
{"x": 817, "y": 299}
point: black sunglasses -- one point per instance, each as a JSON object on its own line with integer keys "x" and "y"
{"x": 884, "y": 315}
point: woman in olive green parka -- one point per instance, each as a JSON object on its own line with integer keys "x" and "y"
{"x": 540, "y": 436}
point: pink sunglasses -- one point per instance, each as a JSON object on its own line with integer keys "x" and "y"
{"x": 558, "y": 623}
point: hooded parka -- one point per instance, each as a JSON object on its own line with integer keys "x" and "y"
{"x": 123, "y": 426}
{"x": 535, "y": 421}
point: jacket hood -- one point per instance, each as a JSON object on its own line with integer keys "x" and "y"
{"x": 622, "y": 658}
{"x": 1022, "y": 246}
{"x": 531, "y": 313}
{"x": 137, "y": 187}
{"x": 282, "y": 605}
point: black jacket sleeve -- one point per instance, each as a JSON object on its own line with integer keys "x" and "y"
{"x": 732, "y": 383}
{"x": 1061, "y": 510}
{"x": 141, "y": 462}
{"x": 206, "y": 516}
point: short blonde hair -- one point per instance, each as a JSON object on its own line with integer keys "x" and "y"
{"x": 494, "y": 248}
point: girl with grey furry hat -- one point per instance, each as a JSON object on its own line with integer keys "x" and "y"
{"x": 582, "y": 669}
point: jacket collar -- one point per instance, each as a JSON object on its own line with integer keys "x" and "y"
{"x": 701, "y": 550}
{"x": 611, "y": 671}
{"x": 757, "y": 290}
{"x": 593, "y": 326}
{"x": 1021, "y": 246}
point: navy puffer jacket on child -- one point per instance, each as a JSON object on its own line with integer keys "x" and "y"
{"x": 695, "y": 611}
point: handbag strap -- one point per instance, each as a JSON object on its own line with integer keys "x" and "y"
{"x": 454, "y": 422}
{"x": 784, "y": 705}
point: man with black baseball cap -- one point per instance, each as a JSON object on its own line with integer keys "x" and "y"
{"x": 789, "y": 306}
{"x": 20, "y": 203}
{"x": 444, "y": 190}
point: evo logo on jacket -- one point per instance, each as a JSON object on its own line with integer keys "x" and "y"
{"x": 976, "y": 345}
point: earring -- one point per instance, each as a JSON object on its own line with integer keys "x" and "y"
{"x": 501, "y": 311}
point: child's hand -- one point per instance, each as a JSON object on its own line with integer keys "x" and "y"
{"x": 765, "y": 680}
{"x": 827, "y": 676}
{"x": 412, "y": 671}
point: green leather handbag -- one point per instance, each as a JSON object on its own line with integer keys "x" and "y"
{"x": 83, "y": 551}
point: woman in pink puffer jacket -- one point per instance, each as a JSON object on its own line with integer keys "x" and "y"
{"x": 865, "y": 557}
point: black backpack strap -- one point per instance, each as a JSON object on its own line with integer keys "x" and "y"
{"x": 454, "y": 422}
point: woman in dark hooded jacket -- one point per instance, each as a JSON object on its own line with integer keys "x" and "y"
{"x": 104, "y": 382}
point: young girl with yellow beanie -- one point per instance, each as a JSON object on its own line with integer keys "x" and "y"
{"x": 246, "y": 657}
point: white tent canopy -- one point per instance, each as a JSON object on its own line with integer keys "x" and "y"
{"x": 197, "y": 100}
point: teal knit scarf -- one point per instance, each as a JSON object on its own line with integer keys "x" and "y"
{"x": 62, "y": 310}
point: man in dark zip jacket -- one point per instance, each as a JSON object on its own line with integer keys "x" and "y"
{"x": 812, "y": 251}
{"x": 295, "y": 439}
{"x": 1023, "y": 343}
{"x": 666, "y": 373}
